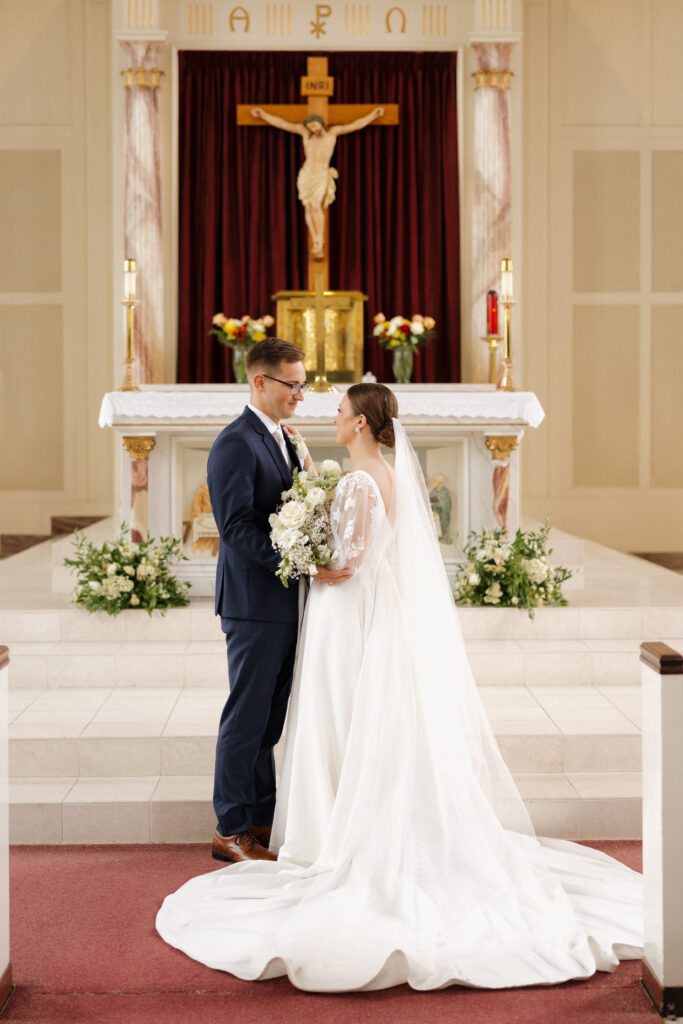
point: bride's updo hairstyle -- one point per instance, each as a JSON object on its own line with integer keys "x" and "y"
{"x": 379, "y": 405}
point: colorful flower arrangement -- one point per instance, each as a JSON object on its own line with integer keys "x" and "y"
{"x": 510, "y": 574}
{"x": 242, "y": 333}
{"x": 401, "y": 333}
{"x": 120, "y": 574}
{"x": 300, "y": 529}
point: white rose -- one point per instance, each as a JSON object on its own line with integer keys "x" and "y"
{"x": 129, "y": 569}
{"x": 416, "y": 328}
{"x": 293, "y": 514}
{"x": 94, "y": 586}
{"x": 312, "y": 570}
{"x": 473, "y": 578}
{"x": 315, "y": 496}
{"x": 289, "y": 538}
{"x": 330, "y": 467}
{"x": 112, "y": 569}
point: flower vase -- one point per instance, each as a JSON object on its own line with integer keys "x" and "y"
{"x": 239, "y": 366}
{"x": 402, "y": 364}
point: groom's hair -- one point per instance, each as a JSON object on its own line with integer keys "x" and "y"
{"x": 268, "y": 354}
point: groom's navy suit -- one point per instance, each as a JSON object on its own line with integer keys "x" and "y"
{"x": 246, "y": 475}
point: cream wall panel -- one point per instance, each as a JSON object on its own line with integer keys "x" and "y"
{"x": 31, "y": 398}
{"x": 667, "y": 67}
{"x": 600, "y": 61}
{"x": 35, "y": 61}
{"x": 606, "y": 203}
{"x": 30, "y": 221}
{"x": 667, "y": 220}
{"x": 605, "y": 396}
{"x": 667, "y": 407}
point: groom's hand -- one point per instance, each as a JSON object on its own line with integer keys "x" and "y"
{"x": 332, "y": 576}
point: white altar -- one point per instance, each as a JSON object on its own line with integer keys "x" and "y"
{"x": 466, "y": 437}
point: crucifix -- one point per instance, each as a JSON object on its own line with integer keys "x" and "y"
{"x": 319, "y": 125}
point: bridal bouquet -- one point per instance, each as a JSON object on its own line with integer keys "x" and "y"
{"x": 510, "y": 574}
{"x": 120, "y": 574}
{"x": 300, "y": 529}
{"x": 401, "y": 333}
{"x": 242, "y": 333}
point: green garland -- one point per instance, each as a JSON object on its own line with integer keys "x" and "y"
{"x": 120, "y": 574}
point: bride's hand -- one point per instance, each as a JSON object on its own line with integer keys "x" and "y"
{"x": 333, "y": 576}
{"x": 302, "y": 450}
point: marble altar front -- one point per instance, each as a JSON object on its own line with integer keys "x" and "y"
{"x": 467, "y": 438}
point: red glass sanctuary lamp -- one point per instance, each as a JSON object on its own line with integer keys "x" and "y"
{"x": 492, "y": 313}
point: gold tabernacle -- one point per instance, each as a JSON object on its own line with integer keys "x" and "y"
{"x": 339, "y": 356}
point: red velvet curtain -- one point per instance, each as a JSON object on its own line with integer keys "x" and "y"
{"x": 394, "y": 226}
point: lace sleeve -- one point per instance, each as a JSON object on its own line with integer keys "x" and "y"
{"x": 353, "y": 516}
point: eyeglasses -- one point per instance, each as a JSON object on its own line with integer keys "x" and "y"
{"x": 294, "y": 388}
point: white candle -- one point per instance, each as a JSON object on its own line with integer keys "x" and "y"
{"x": 129, "y": 278}
{"x": 506, "y": 275}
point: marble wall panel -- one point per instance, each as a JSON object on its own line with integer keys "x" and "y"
{"x": 601, "y": 62}
{"x": 666, "y": 454}
{"x": 606, "y": 221}
{"x": 30, "y": 220}
{"x": 605, "y": 396}
{"x": 667, "y": 220}
{"x": 31, "y": 398}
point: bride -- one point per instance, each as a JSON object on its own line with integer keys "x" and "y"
{"x": 405, "y": 853}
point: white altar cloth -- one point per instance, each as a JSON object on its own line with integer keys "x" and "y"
{"x": 193, "y": 404}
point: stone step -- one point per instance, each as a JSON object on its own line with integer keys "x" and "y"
{"x": 197, "y": 623}
{"x": 177, "y": 808}
{"x": 202, "y": 663}
{"x": 150, "y": 732}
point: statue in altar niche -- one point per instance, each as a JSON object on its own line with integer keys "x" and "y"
{"x": 205, "y": 536}
{"x": 441, "y": 503}
{"x": 316, "y": 180}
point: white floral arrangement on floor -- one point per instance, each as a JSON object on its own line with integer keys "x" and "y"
{"x": 510, "y": 574}
{"x": 121, "y": 574}
{"x": 300, "y": 529}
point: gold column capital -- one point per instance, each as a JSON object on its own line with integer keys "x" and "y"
{"x": 139, "y": 447}
{"x": 495, "y": 78}
{"x": 145, "y": 78}
{"x": 501, "y": 447}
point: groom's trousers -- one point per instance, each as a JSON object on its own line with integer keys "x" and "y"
{"x": 260, "y": 666}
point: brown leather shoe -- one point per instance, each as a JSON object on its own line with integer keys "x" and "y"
{"x": 262, "y": 833}
{"x": 242, "y": 846}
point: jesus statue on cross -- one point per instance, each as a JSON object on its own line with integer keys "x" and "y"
{"x": 316, "y": 180}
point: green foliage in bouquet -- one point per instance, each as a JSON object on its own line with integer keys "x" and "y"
{"x": 510, "y": 574}
{"x": 120, "y": 574}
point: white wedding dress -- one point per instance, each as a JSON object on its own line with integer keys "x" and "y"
{"x": 405, "y": 851}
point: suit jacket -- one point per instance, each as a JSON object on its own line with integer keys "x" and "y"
{"x": 246, "y": 476}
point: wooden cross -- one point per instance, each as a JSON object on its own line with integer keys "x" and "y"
{"x": 317, "y": 87}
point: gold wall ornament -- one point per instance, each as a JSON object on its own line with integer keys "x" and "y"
{"x": 200, "y": 19}
{"x": 357, "y": 19}
{"x": 494, "y": 78}
{"x": 278, "y": 19}
{"x": 239, "y": 14}
{"x": 434, "y": 19}
{"x": 145, "y": 78}
{"x": 139, "y": 447}
{"x": 140, "y": 13}
{"x": 387, "y": 20}
{"x": 322, "y": 13}
{"x": 501, "y": 447}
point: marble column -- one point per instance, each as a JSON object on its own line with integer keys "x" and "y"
{"x": 501, "y": 449}
{"x": 139, "y": 449}
{"x": 491, "y": 212}
{"x": 142, "y": 201}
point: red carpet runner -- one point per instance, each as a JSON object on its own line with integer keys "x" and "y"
{"x": 84, "y": 948}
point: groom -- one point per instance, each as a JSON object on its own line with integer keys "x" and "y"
{"x": 250, "y": 464}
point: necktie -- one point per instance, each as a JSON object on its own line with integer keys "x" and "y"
{"x": 279, "y": 437}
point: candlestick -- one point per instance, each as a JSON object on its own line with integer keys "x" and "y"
{"x": 506, "y": 276}
{"x": 506, "y": 382}
{"x": 492, "y": 340}
{"x": 492, "y": 313}
{"x": 130, "y": 302}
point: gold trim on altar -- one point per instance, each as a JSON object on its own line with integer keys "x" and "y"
{"x": 343, "y": 331}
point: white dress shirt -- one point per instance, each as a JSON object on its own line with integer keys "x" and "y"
{"x": 276, "y": 431}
